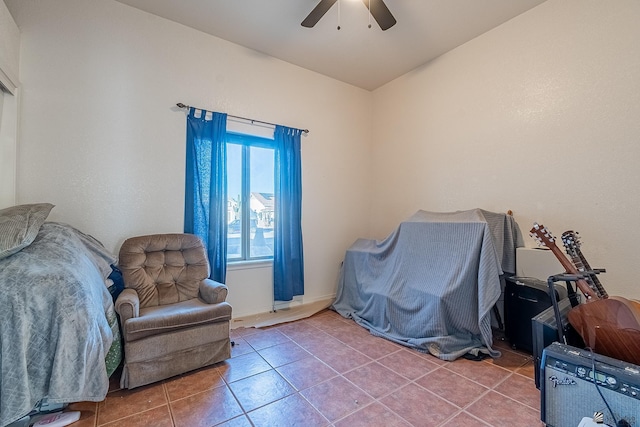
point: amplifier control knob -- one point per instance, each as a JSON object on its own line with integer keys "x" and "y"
{"x": 611, "y": 381}
{"x": 582, "y": 371}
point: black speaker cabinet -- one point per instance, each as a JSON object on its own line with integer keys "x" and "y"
{"x": 577, "y": 383}
{"x": 525, "y": 298}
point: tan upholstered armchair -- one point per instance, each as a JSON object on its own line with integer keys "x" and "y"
{"x": 174, "y": 319}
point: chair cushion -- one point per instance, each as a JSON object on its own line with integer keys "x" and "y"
{"x": 163, "y": 268}
{"x": 166, "y": 318}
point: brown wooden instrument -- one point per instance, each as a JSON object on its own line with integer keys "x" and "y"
{"x": 571, "y": 243}
{"x": 545, "y": 238}
{"x": 608, "y": 325}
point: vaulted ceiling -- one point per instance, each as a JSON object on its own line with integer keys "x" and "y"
{"x": 358, "y": 55}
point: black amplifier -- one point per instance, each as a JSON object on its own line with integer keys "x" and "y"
{"x": 525, "y": 298}
{"x": 545, "y": 331}
{"x": 576, "y": 383}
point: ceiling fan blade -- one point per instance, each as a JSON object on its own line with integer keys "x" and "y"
{"x": 317, "y": 13}
{"x": 381, "y": 13}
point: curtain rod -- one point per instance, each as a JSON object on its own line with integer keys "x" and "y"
{"x": 181, "y": 105}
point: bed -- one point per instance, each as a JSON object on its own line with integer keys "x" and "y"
{"x": 59, "y": 334}
{"x": 432, "y": 284}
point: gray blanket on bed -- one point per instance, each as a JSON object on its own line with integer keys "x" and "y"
{"x": 432, "y": 283}
{"x": 54, "y": 328}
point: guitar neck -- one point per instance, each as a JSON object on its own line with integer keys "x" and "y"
{"x": 570, "y": 268}
{"x": 602, "y": 293}
{"x": 571, "y": 243}
{"x": 591, "y": 279}
{"x": 544, "y": 236}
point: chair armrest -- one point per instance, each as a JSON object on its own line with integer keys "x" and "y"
{"x": 128, "y": 305}
{"x": 212, "y": 292}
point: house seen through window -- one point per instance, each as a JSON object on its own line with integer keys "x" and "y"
{"x": 250, "y": 199}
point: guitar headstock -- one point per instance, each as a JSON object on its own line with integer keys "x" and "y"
{"x": 542, "y": 235}
{"x": 571, "y": 242}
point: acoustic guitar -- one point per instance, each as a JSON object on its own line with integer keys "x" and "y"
{"x": 571, "y": 242}
{"x": 545, "y": 238}
{"x": 608, "y": 325}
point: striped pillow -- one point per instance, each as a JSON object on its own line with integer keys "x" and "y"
{"x": 19, "y": 226}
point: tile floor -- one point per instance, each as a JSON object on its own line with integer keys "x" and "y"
{"x": 328, "y": 371}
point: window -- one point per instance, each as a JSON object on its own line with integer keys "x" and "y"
{"x": 250, "y": 200}
{"x": 211, "y": 173}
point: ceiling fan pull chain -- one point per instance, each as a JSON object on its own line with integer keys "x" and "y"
{"x": 339, "y": 2}
{"x": 369, "y": 26}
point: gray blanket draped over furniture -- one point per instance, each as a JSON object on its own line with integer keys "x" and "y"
{"x": 431, "y": 285}
{"x": 59, "y": 335}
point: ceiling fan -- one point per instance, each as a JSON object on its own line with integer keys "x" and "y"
{"x": 377, "y": 8}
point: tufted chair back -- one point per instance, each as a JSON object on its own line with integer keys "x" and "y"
{"x": 164, "y": 268}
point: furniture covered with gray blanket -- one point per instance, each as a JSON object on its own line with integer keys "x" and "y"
{"x": 59, "y": 334}
{"x": 174, "y": 318}
{"x": 431, "y": 285}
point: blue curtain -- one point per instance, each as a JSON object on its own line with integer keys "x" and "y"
{"x": 288, "y": 263}
{"x": 205, "y": 206}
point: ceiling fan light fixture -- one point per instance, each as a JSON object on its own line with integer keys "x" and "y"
{"x": 377, "y": 8}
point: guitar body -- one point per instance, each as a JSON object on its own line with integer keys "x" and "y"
{"x": 609, "y": 326}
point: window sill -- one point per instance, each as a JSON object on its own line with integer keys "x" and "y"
{"x": 246, "y": 265}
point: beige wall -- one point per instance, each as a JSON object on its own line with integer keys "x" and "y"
{"x": 9, "y": 71}
{"x": 8, "y": 147}
{"x": 9, "y": 50}
{"x": 101, "y": 140}
{"x": 540, "y": 115}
